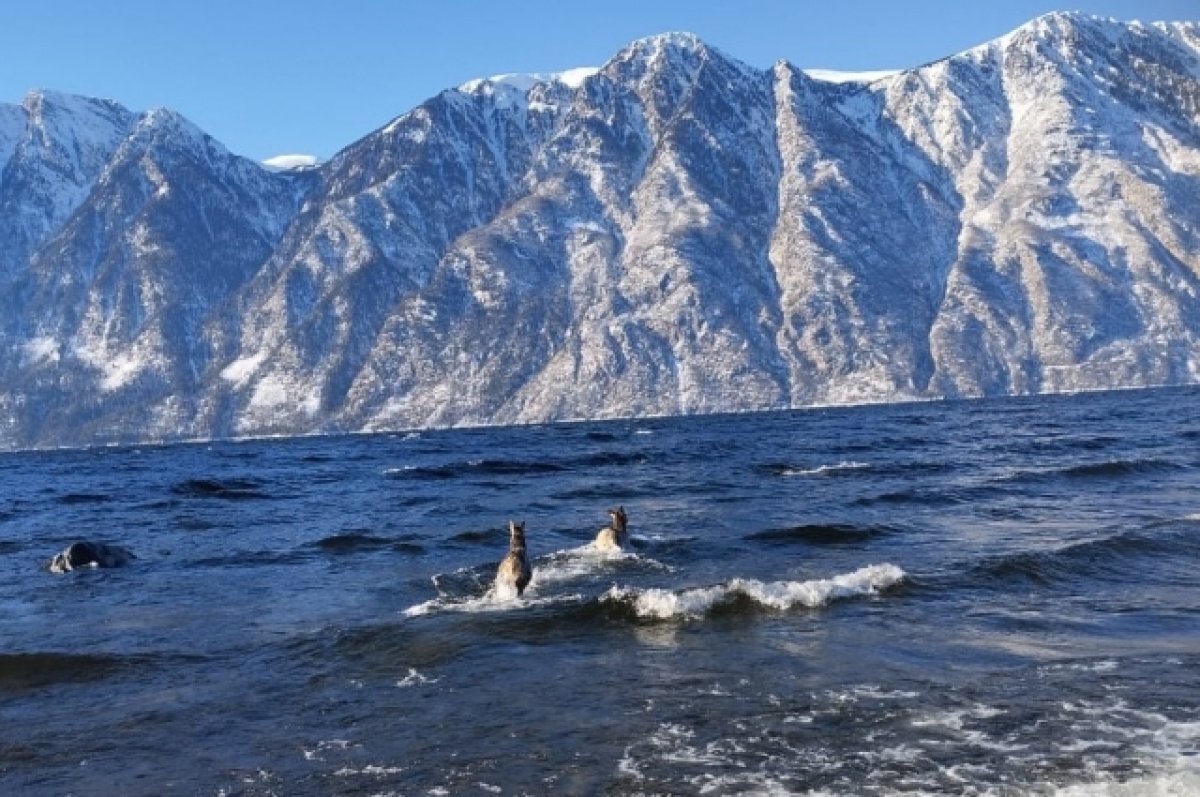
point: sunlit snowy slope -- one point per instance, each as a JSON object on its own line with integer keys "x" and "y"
{"x": 674, "y": 232}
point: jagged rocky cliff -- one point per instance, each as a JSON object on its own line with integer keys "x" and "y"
{"x": 674, "y": 232}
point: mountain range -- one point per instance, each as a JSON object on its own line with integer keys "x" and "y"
{"x": 674, "y": 232}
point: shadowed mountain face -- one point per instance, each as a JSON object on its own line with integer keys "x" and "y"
{"x": 676, "y": 233}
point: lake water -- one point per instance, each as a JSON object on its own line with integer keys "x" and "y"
{"x": 991, "y": 597}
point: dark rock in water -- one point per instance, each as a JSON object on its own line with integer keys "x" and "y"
{"x": 93, "y": 554}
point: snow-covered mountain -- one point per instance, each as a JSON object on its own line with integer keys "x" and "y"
{"x": 52, "y": 149}
{"x": 674, "y": 232}
{"x": 153, "y": 234}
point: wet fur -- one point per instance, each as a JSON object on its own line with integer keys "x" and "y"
{"x": 84, "y": 554}
{"x": 515, "y": 571}
{"x": 615, "y": 535}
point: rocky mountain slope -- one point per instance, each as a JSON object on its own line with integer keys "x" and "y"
{"x": 675, "y": 232}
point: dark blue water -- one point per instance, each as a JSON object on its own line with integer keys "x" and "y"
{"x": 995, "y": 597}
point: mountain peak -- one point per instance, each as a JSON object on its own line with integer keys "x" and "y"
{"x": 1062, "y": 25}
{"x": 41, "y": 98}
{"x": 169, "y": 119}
{"x": 40, "y": 102}
{"x": 679, "y": 53}
{"x": 524, "y": 81}
{"x": 70, "y": 129}
{"x": 168, "y": 125}
{"x": 678, "y": 39}
{"x": 668, "y": 44}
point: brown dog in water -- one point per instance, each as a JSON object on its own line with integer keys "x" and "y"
{"x": 515, "y": 571}
{"x": 613, "y": 536}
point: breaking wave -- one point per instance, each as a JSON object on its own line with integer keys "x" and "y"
{"x": 665, "y": 604}
{"x": 587, "y": 560}
{"x": 494, "y": 600}
{"x": 472, "y": 589}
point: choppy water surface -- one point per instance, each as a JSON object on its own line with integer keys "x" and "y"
{"x": 955, "y": 598}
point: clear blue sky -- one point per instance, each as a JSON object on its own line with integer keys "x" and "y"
{"x": 311, "y": 76}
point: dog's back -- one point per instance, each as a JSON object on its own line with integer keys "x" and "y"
{"x": 613, "y": 536}
{"x": 515, "y": 571}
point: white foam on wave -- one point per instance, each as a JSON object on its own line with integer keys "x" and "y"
{"x": 373, "y": 770}
{"x": 586, "y": 560}
{"x": 954, "y": 719}
{"x": 821, "y": 470}
{"x": 1167, "y": 754}
{"x": 1106, "y": 748}
{"x": 316, "y": 754}
{"x": 1105, "y": 665}
{"x": 1169, "y": 751}
{"x": 556, "y": 568}
{"x": 676, "y": 745}
{"x": 870, "y": 692}
{"x": 496, "y": 599}
{"x": 664, "y": 604}
{"x": 414, "y": 678}
{"x": 659, "y": 539}
{"x": 1185, "y": 783}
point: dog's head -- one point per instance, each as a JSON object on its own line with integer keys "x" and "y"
{"x": 77, "y": 554}
{"x": 516, "y": 534}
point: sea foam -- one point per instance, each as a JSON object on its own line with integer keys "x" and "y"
{"x": 821, "y": 470}
{"x": 494, "y": 600}
{"x": 664, "y": 604}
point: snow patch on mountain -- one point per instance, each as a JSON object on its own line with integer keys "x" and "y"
{"x": 117, "y": 369}
{"x": 40, "y": 350}
{"x": 836, "y": 76}
{"x": 241, "y": 370}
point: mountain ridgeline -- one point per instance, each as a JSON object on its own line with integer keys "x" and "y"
{"x": 674, "y": 233}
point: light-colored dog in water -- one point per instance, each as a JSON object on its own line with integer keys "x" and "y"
{"x": 614, "y": 536}
{"x": 515, "y": 570}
